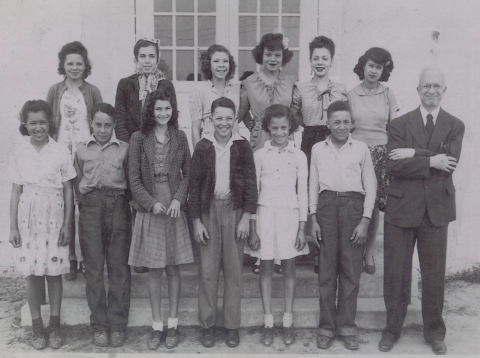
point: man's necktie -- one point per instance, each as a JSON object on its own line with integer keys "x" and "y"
{"x": 429, "y": 127}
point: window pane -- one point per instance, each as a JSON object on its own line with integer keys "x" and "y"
{"x": 247, "y": 27}
{"x": 248, "y": 6}
{"x": 162, "y": 5}
{"x": 291, "y": 6}
{"x": 185, "y": 31}
{"x": 245, "y": 62}
{"x": 184, "y": 65}
{"x": 165, "y": 63}
{"x": 291, "y": 68}
{"x": 206, "y": 30}
{"x": 268, "y": 6}
{"x": 268, "y": 24}
{"x": 163, "y": 29}
{"x": 291, "y": 29}
{"x": 206, "y": 5}
{"x": 184, "y": 5}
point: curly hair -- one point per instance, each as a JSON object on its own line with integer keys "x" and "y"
{"x": 36, "y": 106}
{"x": 144, "y": 43}
{"x": 279, "y": 111}
{"x": 206, "y": 57}
{"x": 103, "y": 108}
{"x": 76, "y": 48}
{"x": 379, "y": 56}
{"x": 322, "y": 42}
{"x": 148, "y": 115}
{"x": 271, "y": 42}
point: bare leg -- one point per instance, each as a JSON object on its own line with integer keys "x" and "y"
{"x": 266, "y": 272}
{"x": 55, "y": 292}
{"x": 174, "y": 283}
{"x": 371, "y": 236}
{"x": 289, "y": 282}
{"x": 34, "y": 294}
{"x": 155, "y": 293}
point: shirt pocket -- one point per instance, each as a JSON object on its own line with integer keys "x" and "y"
{"x": 89, "y": 171}
{"x": 117, "y": 173}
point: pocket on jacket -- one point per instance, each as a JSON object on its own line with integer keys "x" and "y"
{"x": 398, "y": 193}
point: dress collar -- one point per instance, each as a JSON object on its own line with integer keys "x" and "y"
{"x": 290, "y": 146}
{"x": 359, "y": 90}
{"x": 113, "y": 139}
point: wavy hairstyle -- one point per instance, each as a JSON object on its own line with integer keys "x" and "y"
{"x": 36, "y": 106}
{"x": 322, "y": 42}
{"x": 148, "y": 115}
{"x": 103, "y": 108}
{"x": 378, "y": 55}
{"x": 206, "y": 57}
{"x": 279, "y": 111}
{"x": 77, "y": 48}
{"x": 271, "y": 42}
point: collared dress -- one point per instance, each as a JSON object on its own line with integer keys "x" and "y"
{"x": 314, "y": 105}
{"x": 160, "y": 240}
{"x": 282, "y": 201}
{"x": 256, "y": 95}
{"x": 41, "y": 206}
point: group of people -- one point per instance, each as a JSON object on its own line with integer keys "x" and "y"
{"x": 134, "y": 180}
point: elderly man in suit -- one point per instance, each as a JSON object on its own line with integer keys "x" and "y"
{"x": 424, "y": 148}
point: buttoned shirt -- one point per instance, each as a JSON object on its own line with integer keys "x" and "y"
{"x": 282, "y": 175}
{"x": 222, "y": 165}
{"x": 425, "y": 113}
{"x": 348, "y": 169}
{"x": 101, "y": 167}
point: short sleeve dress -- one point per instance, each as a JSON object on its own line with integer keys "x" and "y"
{"x": 257, "y": 96}
{"x": 41, "y": 206}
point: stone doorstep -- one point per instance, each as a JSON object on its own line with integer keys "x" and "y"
{"x": 370, "y": 312}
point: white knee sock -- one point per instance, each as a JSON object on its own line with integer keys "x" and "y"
{"x": 172, "y": 323}
{"x": 287, "y": 319}
{"x": 157, "y": 326}
{"x": 268, "y": 319}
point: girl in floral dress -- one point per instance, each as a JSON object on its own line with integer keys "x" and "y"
{"x": 41, "y": 209}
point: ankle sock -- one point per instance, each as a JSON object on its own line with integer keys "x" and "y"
{"x": 268, "y": 319}
{"x": 54, "y": 322}
{"x": 157, "y": 326}
{"x": 37, "y": 324}
{"x": 287, "y": 319}
{"x": 172, "y": 323}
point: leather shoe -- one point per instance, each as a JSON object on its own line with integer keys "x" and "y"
{"x": 324, "y": 342}
{"x": 39, "y": 340}
{"x": 439, "y": 347}
{"x": 267, "y": 336}
{"x": 171, "y": 340}
{"x": 233, "y": 339}
{"x": 385, "y": 345}
{"x": 288, "y": 335}
{"x": 117, "y": 339}
{"x": 350, "y": 342}
{"x": 100, "y": 338}
{"x": 55, "y": 338}
{"x": 154, "y": 340}
{"x": 208, "y": 337}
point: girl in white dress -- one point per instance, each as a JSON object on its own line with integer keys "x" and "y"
{"x": 278, "y": 229}
{"x": 41, "y": 208}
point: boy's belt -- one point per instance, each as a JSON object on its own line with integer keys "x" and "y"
{"x": 110, "y": 192}
{"x": 350, "y": 194}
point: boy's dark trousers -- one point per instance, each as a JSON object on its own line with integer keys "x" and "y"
{"x": 106, "y": 225}
{"x": 338, "y": 214}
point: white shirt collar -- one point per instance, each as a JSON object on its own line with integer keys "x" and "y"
{"x": 328, "y": 142}
{"x": 113, "y": 139}
{"x": 424, "y": 113}
{"x": 235, "y": 136}
{"x": 290, "y": 146}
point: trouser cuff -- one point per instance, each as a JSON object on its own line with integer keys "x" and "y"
{"x": 347, "y": 331}
{"x": 326, "y": 332}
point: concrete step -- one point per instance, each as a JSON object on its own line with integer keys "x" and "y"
{"x": 370, "y": 312}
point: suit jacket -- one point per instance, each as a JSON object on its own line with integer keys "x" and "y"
{"x": 415, "y": 186}
{"x": 141, "y": 158}
{"x": 243, "y": 181}
{"x": 129, "y": 108}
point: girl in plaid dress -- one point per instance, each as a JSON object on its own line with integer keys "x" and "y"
{"x": 159, "y": 161}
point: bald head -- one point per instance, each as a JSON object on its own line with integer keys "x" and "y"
{"x": 431, "y": 87}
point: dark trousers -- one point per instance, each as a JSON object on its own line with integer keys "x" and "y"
{"x": 106, "y": 227}
{"x": 399, "y": 243}
{"x": 220, "y": 222}
{"x": 339, "y": 261}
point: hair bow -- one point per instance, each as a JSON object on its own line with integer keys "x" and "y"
{"x": 285, "y": 42}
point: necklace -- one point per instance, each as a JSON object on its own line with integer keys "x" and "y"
{"x": 369, "y": 91}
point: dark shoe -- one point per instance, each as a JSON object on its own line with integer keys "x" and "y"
{"x": 288, "y": 335}
{"x": 208, "y": 337}
{"x": 350, "y": 342}
{"x": 117, "y": 339}
{"x": 39, "y": 340}
{"x": 370, "y": 269}
{"x": 171, "y": 341}
{"x": 267, "y": 336}
{"x": 324, "y": 342}
{"x": 55, "y": 338}
{"x": 233, "y": 339}
{"x": 385, "y": 345}
{"x": 140, "y": 269}
{"x": 72, "y": 275}
{"x": 256, "y": 269}
{"x": 277, "y": 269}
{"x": 100, "y": 338}
{"x": 439, "y": 347}
{"x": 154, "y": 340}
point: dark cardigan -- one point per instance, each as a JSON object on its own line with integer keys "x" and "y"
{"x": 243, "y": 181}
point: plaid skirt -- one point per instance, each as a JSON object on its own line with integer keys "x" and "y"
{"x": 379, "y": 159}
{"x": 160, "y": 240}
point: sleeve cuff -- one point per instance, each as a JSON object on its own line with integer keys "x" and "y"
{"x": 367, "y": 212}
